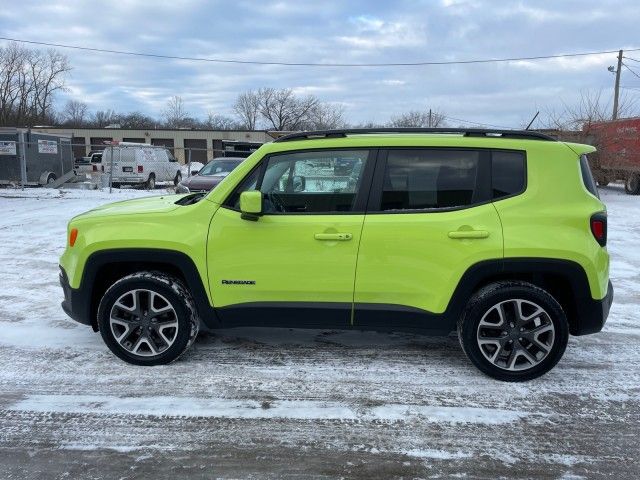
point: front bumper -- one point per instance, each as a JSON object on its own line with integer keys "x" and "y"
{"x": 75, "y": 304}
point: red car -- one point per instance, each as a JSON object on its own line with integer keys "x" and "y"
{"x": 209, "y": 176}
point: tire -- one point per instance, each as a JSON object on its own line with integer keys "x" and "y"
{"x": 501, "y": 354}
{"x": 151, "y": 182}
{"x": 138, "y": 337}
{"x": 632, "y": 184}
{"x": 603, "y": 180}
{"x": 51, "y": 178}
{"x": 178, "y": 178}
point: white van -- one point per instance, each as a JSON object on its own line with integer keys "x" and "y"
{"x": 140, "y": 163}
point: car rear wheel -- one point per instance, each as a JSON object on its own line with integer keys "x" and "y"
{"x": 513, "y": 331}
{"x": 603, "y": 180}
{"x": 148, "y": 318}
{"x": 632, "y": 184}
{"x": 151, "y": 182}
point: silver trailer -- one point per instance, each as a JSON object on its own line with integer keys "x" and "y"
{"x": 33, "y": 158}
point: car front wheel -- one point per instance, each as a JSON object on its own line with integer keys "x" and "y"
{"x": 513, "y": 331}
{"x": 148, "y": 318}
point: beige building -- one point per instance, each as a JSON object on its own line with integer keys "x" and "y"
{"x": 199, "y": 145}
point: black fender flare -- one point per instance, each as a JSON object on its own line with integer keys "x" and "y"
{"x": 86, "y": 299}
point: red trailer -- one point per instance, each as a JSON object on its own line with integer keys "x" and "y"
{"x": 618, "y": 157}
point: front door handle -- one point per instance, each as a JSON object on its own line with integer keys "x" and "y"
{"x": 333, "y": 236}
{"x": 468, "y": 234}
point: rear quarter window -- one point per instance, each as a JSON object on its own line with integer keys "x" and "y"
{"x": 508, "y": 173}
{"x": 587, "y": 176}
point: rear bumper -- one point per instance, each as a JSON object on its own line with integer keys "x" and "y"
{"x": 592, "y": 314}
{"x": 74, "y": 304}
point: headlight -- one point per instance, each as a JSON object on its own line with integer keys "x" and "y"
{"x": 180, "y": 188}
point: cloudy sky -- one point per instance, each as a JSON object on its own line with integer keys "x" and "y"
{"x": 338, "y": 31}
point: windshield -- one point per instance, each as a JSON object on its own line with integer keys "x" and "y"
{"x": 216, "y": 167}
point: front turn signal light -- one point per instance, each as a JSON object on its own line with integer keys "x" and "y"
{"x": 73, "y": 236}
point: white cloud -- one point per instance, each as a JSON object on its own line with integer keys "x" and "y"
{"x": 393, "y": 82}
{"x": 374, "y": 33}
{"x": 339, "y": 32}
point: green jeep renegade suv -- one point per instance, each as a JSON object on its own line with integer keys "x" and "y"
{"x": 499, "y": 235}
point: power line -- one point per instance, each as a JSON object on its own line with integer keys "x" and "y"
{"x": 629, "y": 58}
{"x": 474, "y": 123}
{"x": 627, "y": 67}
{"x": 310, "y": 64}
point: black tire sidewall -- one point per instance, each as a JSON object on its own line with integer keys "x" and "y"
{"x": 184, "y": 326}
{"x": 632, "y": 185}
{"x": 479, "y": 305}
{"x": 178, "y": 178}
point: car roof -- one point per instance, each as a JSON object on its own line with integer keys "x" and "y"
{"x": 392, "y": 131}
{"x": 422, "y": 138}
{"x": 238, "y": 159}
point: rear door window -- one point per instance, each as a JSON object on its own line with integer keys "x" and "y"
{"x": 434, "y": 179}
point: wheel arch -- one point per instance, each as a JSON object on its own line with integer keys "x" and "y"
{"x": 565, "y": 280}
{"x": 103, "y": 268}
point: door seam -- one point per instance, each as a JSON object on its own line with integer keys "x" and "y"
{"x": 355, "y": 273}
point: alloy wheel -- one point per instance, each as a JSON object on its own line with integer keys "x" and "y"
{"x": 143, "y": 322}
{"x": 516, "y": 334}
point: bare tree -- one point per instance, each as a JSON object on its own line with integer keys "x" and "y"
{"x": 75, "y": 113}
{"x": 29, "y": 80}
{"x": 282, "y": 110}
{"x": 220, "y": 122}
{"x": 102, "y": 118}
{"x": 247, "y": 108}
{"x": 326, "y": 116}
{"x": 175, "y": 115}
{"x": 135, "y": 120}
{"x": 420, "y": 119}
{"x": 592, "y": 107}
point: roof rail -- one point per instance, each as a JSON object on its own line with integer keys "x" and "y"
{"x": 466, "y": 132}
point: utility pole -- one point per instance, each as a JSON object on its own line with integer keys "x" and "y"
{"x": 616, "y": 91}
{"x": 430, "y": 123}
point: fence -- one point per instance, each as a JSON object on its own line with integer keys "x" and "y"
{"x": 49, "y": 161}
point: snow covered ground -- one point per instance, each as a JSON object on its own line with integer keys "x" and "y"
{"x": 284, "y": 403}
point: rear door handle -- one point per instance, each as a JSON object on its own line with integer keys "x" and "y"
{"x": 333, "y": 236}
{"x": 468, "y": 234}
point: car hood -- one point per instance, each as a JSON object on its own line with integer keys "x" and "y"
{"x": 202, "y": 182}
{"x": 163, "y": 204}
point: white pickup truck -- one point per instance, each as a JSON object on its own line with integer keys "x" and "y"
{"x": 89, "y": 164}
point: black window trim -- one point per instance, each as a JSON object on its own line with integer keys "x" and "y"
{"x": 586, "y": 174}
{"x": 375, "y": 196}
{"x": 362, "y": 195}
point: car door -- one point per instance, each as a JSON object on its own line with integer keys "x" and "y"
{"x": 296, "y": 264}
{"x": 429, "y": 219}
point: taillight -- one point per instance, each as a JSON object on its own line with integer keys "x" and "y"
{"x": 95, "y": 168}
{"x": 599, "y": 227}
{"x": 140, "y": 168}
{"x": 73, "y": 236}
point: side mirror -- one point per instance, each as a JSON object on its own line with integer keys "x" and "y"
{"x": 251, "y": 205}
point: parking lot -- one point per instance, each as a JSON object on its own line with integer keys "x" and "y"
{"x": 257, "y": 403}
